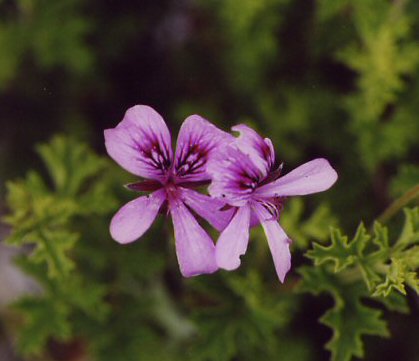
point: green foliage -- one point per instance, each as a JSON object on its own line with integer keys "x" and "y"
{"x": 364, "y": 267}
{"x": 52, "y": 33}
{"x": 43, "y": 216}
{"x": 383, "y": 57}
{"x": 332, "y": 78}
{"x": 244, "y": 319}
{"x": 384, "y": 266}
{"x": 406, "y": 178}
{"x": 348, "y": 318}
{"x": 250, "y": 27}
{"x": 304, "y": 229}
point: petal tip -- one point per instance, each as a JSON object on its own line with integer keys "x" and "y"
{"x": 228, "y": 264}
{"x": 208, "y": 270}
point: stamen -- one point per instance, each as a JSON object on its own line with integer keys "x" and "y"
{"x": 273, "y": 206}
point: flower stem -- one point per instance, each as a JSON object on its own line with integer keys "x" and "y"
{"x": 398, "y": 204}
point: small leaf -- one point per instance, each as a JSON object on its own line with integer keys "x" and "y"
{"x": 340, "y": 252}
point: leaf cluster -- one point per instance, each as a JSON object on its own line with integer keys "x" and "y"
{"x": 368, "y": 266}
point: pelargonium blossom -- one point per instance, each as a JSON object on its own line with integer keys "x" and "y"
{"x": 244, "y": 175}
{"x": 141, "y": 144}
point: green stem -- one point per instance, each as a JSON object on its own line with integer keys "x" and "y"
{"x": 398, "y": 204}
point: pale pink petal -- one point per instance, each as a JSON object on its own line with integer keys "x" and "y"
{"x": 260, "y": 150}
{"x": 194, "y": 248}
{"x": 141, "y": 143}
{"x": 278, "y": 241}
{"x": 208, "y": 208}
{"x": 233, "y": 241}
{"x": 136, "y": 217}
{"x": 197, "y": 141}
{"x": 234, "y": 176}
{"x": 311, "y": 177}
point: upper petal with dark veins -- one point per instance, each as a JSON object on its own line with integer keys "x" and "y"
{"x": 141, "y": 143}
{"x": 260, "y": 150}
{"x": 197, "y": 141}
{"x": 235, "y": 175}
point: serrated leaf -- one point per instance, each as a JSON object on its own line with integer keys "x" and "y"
{"x": 340, "y": 252}
{"x": 372, "y": 256}
{"x": 410, "y": 231}
{"x": 394, "y": 302}
{"x": 349, "y": 319}
{"x": 70, "y": 164}
{"x": 380, "y": 238}
{"x": 395, "y": 279}
{"x": 52, "y": 247}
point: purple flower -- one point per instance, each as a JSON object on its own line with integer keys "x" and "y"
{"x": 141, "y": 143}
{"x": 244, "y": 176}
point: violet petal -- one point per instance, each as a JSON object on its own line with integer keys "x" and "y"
{"x": 260, "y": 150}
{"x": 208, "y": 208}
{"x": 194, "y": 248}
{"x": 311, "y": 177}
{"x": 196, "y": 142}
{"x": 233, "y": 241}
{"x": 136, "y": 217}
{"x": 278, "y": 241}
{"x": 141, "y": 143}
{"x": 234, "y": 176}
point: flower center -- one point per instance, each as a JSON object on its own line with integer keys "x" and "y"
{"x": 191, "y": 160}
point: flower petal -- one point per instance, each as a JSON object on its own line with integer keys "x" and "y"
{"x": 194, "y": 248}
{"x": 136, "y": 217}
{"x": 233, "y": 241}
{"x": 278, "y": 242}
{"x": 197, "y": 140}
{"x": 208, "y": 208}
{"x": 311, "y": 177}
{"x": 234, "y": 176}
{"x": 260, "y": 150}
{"x": 141, "y": 143}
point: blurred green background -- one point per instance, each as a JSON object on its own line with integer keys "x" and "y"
{"x": 333, "y": 78}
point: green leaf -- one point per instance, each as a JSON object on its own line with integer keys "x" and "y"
{"x": 43, "y": 319}
{"x": 42, "y": 216}
{"x": 395, "y": 279}
{"x": 394, "y": 302}
{"x": 303, "y": 230}
{"x": 383, "y": 267}
{"x": 70, "y": 164}
{"x": 410, "y": 231}
{"x": 340, "y": 252}
{"x": 365, "y": 267}
{"x": 384, "y": 56}
{"x": 349, "y": 319}
{"x": 241, "y": 320}
{"x": 52, "y": 248}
